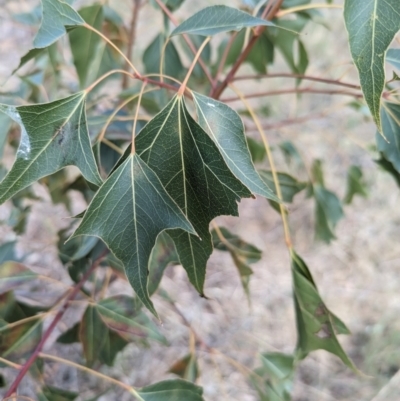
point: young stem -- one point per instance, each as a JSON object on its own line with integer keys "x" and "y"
{"x": 136, "y": 118}
{"x": 129, "y": 63}
{"x": 189, "y": 73}
{"x": 270, "y": 14}
{"x": 306, "y": 7}
{"x": 297, "y": 76}
{"x": 92, "y": 372}
{"x": 272, "y": 165}
{"x": 107, "y": 74}
{"x": 286, "y": 91}
{"x": 187, "y": 40}
{"x": 26, "y": 366}
{"x": 131, "y": 38}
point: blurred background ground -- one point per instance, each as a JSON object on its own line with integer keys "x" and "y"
{"x": 357, "y": 275}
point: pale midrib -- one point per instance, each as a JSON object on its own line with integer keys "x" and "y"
{"x": 182, "y": 157}
{"x": 44, "y": 148}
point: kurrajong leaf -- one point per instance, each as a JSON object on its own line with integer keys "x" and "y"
{"x": 226, "y": 129}
{"x": 128, "y": 213}
{"x": 393, "y": 57}
{"x": 13, "y": 274}
{"x": 316, "y": 325}
{"x": 355, "y": 184}
{"x": 389, "y": 168}
{"x": 84, "y": 43}
{"x": 57, "y": 16}
{"x": 372, "y": 25}
{"x": 390, "y": 145}
{"x": 193, "y": 172}
{"x": 53, "y": 135}
{"x": 168, "y": 390}
{"x": 216, "y": 19}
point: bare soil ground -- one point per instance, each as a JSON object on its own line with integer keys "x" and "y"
{"x": 358, "y": 275}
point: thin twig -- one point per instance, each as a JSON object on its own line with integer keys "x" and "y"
{"x": 297, "y": 76}
{"x": 270, "y": 14}
{"x": 300, "y": 90}
{"x": 131, "y": 38}
{"x": 26, "y": 366}
{"x": 187, "y": 40}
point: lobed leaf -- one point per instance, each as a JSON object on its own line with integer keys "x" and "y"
{"x": 371, "y": 25}
{"x": 216, "y": 19}
{"x": 128, "y": 213}
{"x": 195, "y": 175}
{"x": 53, "y": 135}
{"x": 355, "y": 184}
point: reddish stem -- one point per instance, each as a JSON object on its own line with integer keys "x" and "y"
{"x": 270, "y": 14}
{"x": 26, "y": 366}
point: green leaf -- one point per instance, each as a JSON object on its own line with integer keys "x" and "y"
{"x": 70, "y": 336}
{"x": 172, "y": 62}
{"x": 92, "y": 334}
{"x": 388, "y": 167}
{"x": 216, "y": 19}
{"x": 328, "y": 212}
{"x": 393, "y": 57}
{"x": 53, "y": 135}
{"x": 120, "y": 314}
{"x": 257, "y": 150}
{"x": 13, "y": 274}
{"x": 355, "y": 184}
{"x": 163, "y": 254}
{"x": 193, "y": 172}
{"x": 242, "y": 254}
{"x": 7, "y": 252}
{"x": 172, "y": 390}
{"x": 226, "y": 129}
{"x": 274, "y": 379}
{"x": 84, "y": 43}
{"x": 128, "y": 213}
{"x": 56, "y": 394}
{"x": 57, "y": 16}
{"x": 371, "y": 25}
{"x": 390, "y": 145}
{"x": 187, "y": 368}
{"x": 289, "y": 186}
{"x": 316, "y": 328}
{"x": 171, "y": 4}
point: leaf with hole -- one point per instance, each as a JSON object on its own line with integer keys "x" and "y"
{"x": 316, "y": 325}
{"x": 371, "y": 25}
{"x": 215, "y": 19}
{"x": 128, "y": 213}
{"x": 53, "y": 135}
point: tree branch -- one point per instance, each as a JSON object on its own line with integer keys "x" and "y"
{"x": 187, "y": 40}
{"x": 131, "y": 39}
{"x": 26, "y": 366}
{"x": 270, "y": 14}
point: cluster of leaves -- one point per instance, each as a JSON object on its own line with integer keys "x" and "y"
{"x": 151, "y": 205}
